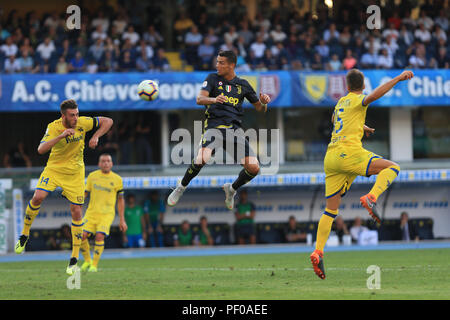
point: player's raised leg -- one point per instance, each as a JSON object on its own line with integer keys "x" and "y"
{"x": 77, "y": 236}
{"x": 30, "y": 214}
{"x": 203, "y": 156}
{"x": 323, "y": 231}
{"x": 250, "y": 170}
{"x": 387, "y": 171}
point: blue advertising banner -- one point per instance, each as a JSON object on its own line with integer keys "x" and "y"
{"x": 178, "y": 90}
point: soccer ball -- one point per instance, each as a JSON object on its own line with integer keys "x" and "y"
{"x": 148, "y": 90}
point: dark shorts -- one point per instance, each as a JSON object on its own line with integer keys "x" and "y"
{"x": 232, "y": 141}
{"x": 245, "y": 230}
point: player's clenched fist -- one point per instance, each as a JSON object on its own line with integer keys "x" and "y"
{"x": 93, "y": 142}
{"x": 221, "y": 99}
{"x": 406, "y": 75}
{"x": 264, "y": 98}
{"x": 68, "y": 132}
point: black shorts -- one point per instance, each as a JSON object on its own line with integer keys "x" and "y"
{"x": 245, "y": 230}
{"x": 232, "y": 141}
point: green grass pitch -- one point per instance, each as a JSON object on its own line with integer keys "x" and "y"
{"x": 405, "y": 274}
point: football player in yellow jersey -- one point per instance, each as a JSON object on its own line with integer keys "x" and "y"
{"x": 64, "y": 137}
{"x": 346, "y": 158}
{"x": 106, "y": 189}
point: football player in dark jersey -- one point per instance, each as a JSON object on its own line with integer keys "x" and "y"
{"x": 223, "y": 94}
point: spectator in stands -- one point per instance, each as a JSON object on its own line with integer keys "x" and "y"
{"x": 442, "y": 60}
{"x": 120, "y": 23}
{"x": 132, "y": 35}
{"x": 369, "y": 59}
{"x": 205, "y": 53}
{"x": 245, "y": 215}
{"x": 203, "y": 237}
{"x": 385, "y": 61}
{"x": 9, "y": 48}
{"x": 77, "y": 64}
{"x": 81, "y": 46}
{"x": 334, "y": 64}
{"x": 407, "y": 230}
{"x": 231, "y": 35}
{"x": 278, "y": 35}
{"x": 406, "y": 36}
{"x": 340, "y": 228}
{"x": 317, "y": 63}
{"x": 45, "y": 49}
{"x": 153, "y": 37}
{"x": 96, "y": 50}
{"x": 269, "y": 61}
{"x": 408, "y": 22}
{"x": 25, "y": 62}
{"x": 357, "y": 229}
{"x": 245, "y": 33}
{"x": 12, "y": 65}
{"x": 442, "y": 20}
{"x": 108, "y": 144}
{"x": 425, "y": 20}
{"x": 391, "y": 32}
{"x": 108, "y": 63}
{"x": 345, "y": 36}
{"x": 4, "y": 33}
{"x": 154, "y": 209}
{"x": 323, "y": 49}
{"x": 213, "y": 38}
{"x": 439, "y": 33}
{"x": 101, "y": 21}
{"x": 181, "y": 26}
{"x": 143, "y": 63}
{"x": 62, "y": 241}
{"x": 92, "y": 66}
{"x": 292, "y": 233}
{"x": 184, "y": 236}
{"x": 331, "y": 33}
{"x": 422, "y": 34}
{"x": 258, "y": 47}
{"x": 98, "y": 34}
{"x": 349, "y": 61}
{"x": 418, "y": 59}
{"x": 126, "y": 64}
{"x": 160, "y": 62}
{"x": 136, "y": 235}
{"x": 391, "y": 46}
{"x": 17, "y": 157}
{"x": 62, "y": 67}
{"x": 192, "y": 41}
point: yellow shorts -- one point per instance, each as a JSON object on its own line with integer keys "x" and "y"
{"x": 98, "y": 223}
{"x": 342, "y": 165}
{"x": 73, "y": 185}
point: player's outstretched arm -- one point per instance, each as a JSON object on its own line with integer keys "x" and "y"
{"x": 261, "y": 104}
{"x": 385, "y": 87}
{"x": 204, "y": 99}
{"x": 46, "y": 146}
{"x": 104, "y": 124}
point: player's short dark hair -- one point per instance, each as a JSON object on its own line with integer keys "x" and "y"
{"x": 104, "y": 155}
{"x": 68, "y": 104}
{"x": 230, "y": 55}
{"x": 355, "y": 80}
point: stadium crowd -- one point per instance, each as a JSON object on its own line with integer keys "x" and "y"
{"x": 281, "y": 39}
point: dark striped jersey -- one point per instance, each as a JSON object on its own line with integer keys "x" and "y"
{"x": 228, "y": 114}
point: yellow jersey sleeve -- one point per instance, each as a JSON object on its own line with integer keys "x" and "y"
{"x": 119, "y": 189}
{"x": 50, "y": 133}
{"x": 88, "y": 123}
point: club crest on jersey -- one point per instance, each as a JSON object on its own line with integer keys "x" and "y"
{"x": 314, "y": 86}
